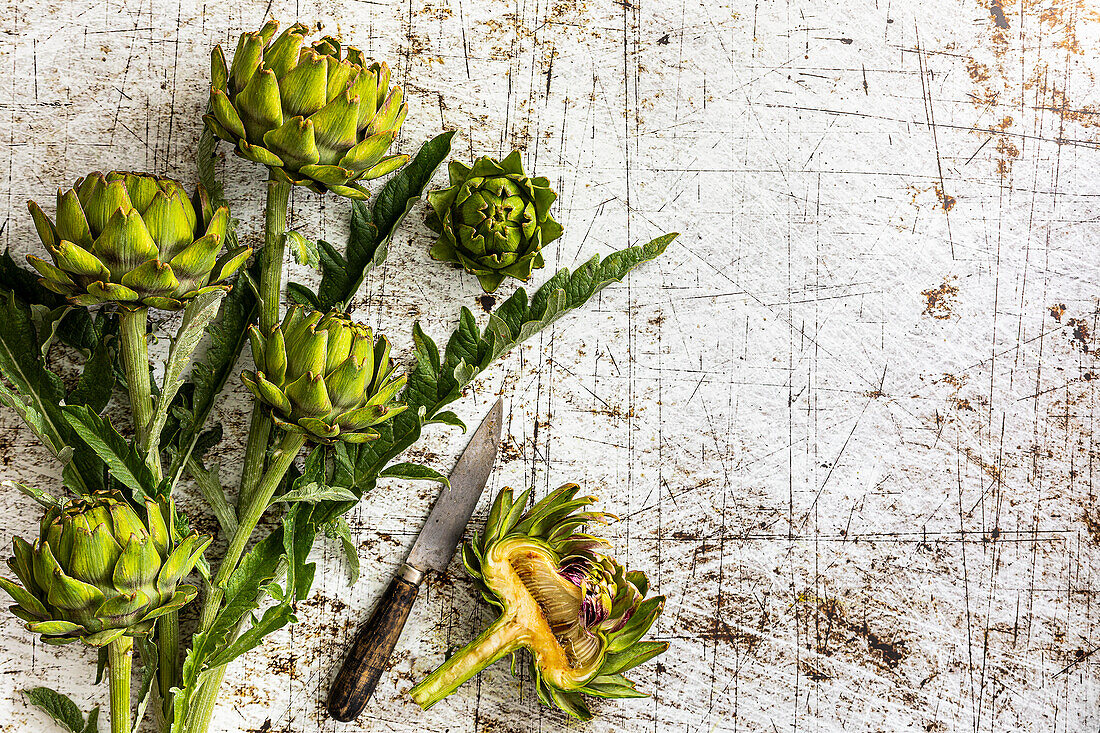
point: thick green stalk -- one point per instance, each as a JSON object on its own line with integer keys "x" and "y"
{"x": 271, "y": 258}
{"x": 271, "y": 292}
{"x": 249, "y": 517}
{"x": 203, "y": 701}
{"x": 202, "y": 710}
{"x": 135, "y": 362}
{"x": 259, "y": 437}
{"x": 202, "y": 706}
{"x": 503, "y": 637}
{"x": 168, "y": 656}
{"x": 120, "y": 653}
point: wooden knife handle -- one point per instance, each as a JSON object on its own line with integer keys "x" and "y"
{"x": 371, "y": 649}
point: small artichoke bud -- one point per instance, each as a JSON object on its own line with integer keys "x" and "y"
{"x": 493, "y": 220}
{"x": 325, "y": 376}
{"x": 136, "y": 240}
{"x": 100, "y": 569}
{"x": 317, "y": 116}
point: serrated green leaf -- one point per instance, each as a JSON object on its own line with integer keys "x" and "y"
{"x": 303, "y": 250}
{"x": 60, "y": 708}
{"x": 339, "y": 529}
{"x": 37, "y": 393}
{"x": 198, "y": 314}
{"x": 123, "y": 460}
{"x": 372, "y": 228}
{"x": 313, "y": 492}
{"x": 414, "y": 472}
{"x": 274, "y": 618}
{"x": 438, "y": 380}
{"x": 242, "y": 594}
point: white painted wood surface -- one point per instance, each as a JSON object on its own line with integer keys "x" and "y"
{"x": 850, "y": 418}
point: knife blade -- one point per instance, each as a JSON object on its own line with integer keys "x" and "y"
{"x": 435, "y": 545}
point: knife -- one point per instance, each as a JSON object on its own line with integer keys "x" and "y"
{"x": 373, "y": 644}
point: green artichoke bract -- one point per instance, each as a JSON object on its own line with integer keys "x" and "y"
{"x": 578, "y": 611}
{"x": 315, "y": 116}
{"x": 134, "y": 239}
{"x": 493, "y": 220}
{"x": 325, "y": 376}
{"x": 98, "y": 570}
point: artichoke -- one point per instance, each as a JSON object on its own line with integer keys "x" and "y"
{"x": 315, "y": 116}
{"x": 99, "y": 570}
{"x": 134, "y": 239}
{"x": 324, "y": 376}
{"x": 493, "y": 220}
{"x": 578, "y": 611}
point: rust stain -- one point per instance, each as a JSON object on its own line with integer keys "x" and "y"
{"x": 486, "y": 302}
{"x": 1092, "y": 524}
{"x": 954, "y": 399}
{"x": 832, "y": 630}
{"x": 989, "y": 469}
{"x": 1057, "y": 311}
{"x": 995, "y": 78}
{"x": 947, "y": 202}
{"x": 1081, "y": 336}
{"x": 940, "y": 300}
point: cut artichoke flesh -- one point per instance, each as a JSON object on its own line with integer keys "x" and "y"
{"x": 549, "y": 607}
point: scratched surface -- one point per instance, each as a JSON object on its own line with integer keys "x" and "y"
{"x": 850, "y": 418}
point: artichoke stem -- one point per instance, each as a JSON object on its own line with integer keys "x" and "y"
{"x": 201, "y": 711}
{"x": 168, "y": 649}
{"x": 249, "y": 518}
{"x": 119, "y": 657}
{"x": 259, "y": 435}
{"x": 271, "y": 290}
{"x": 506, "y": 635}
{"x": 202, "y": 706}
{"x": 271, "y": 259}
{"x": 135, "y": 362}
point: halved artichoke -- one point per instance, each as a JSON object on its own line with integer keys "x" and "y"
{"x": 578, "y": 611}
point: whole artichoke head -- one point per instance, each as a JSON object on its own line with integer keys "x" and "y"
{"x": 316, "y": 116}
{"x": 99, "y": 569}
{"x": 578, "y": 611}
{"x": 493, "y": 220}
{"x": 134, "y": 239}
{"x": 325, "y": 376}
